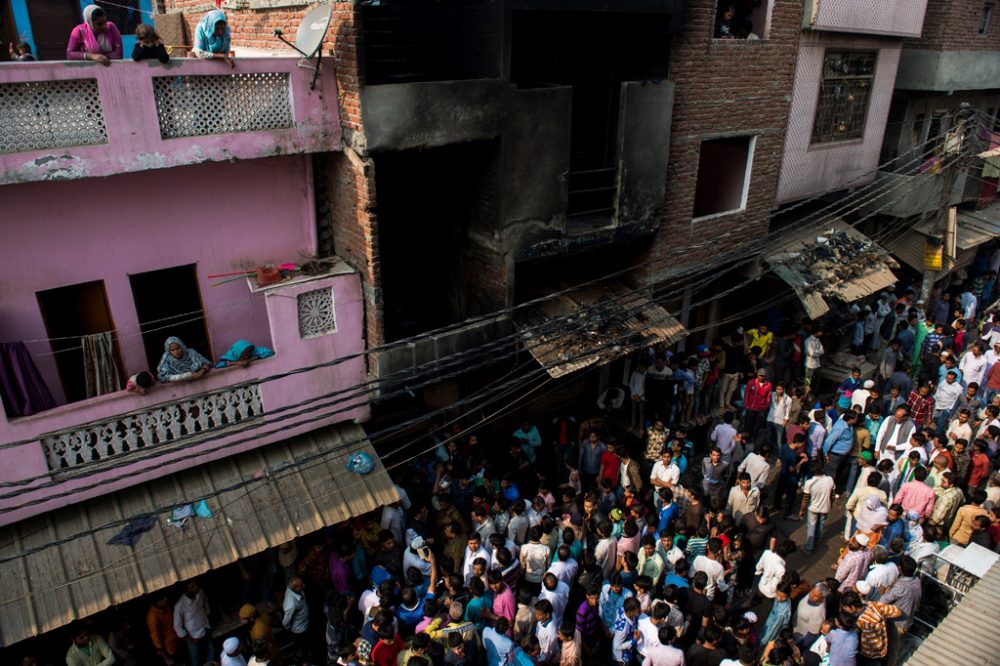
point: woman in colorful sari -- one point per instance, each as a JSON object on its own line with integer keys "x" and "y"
{"x": 95, "y": 39}
{"x": 180, "y": 363}
{"x": 211, "y": 38}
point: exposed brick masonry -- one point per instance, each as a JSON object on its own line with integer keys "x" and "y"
{"x": 725, "y": 88}
{"x": 953, "y": 25}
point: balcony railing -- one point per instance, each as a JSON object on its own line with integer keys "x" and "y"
{"x": 121, "y": 439}
{"x": 62, "y": 120}
{"x": 158, "y": 426}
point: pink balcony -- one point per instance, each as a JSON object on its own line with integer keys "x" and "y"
{"x": 898, "y": 18}
{"x": 65, "y": 120}
{"x": 91, "y": 447}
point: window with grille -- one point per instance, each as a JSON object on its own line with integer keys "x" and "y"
{"x": 843, "y": 95}
{"x": 125, "y": 14}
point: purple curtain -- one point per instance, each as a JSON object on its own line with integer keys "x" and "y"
{"x": 21, "y": 385}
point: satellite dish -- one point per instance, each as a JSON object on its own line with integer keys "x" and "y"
{"x": 309, "y": 37}
{"x": 312, "y": 30}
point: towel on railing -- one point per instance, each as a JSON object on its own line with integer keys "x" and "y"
{"x": 99, "y": 366}
{"x": 21, "y": 385}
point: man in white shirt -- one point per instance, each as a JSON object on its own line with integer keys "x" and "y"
{"x": 860, "y": 397}
{"x": 711, "y": 565}
{"x": 191, "y": 623}
{"x": 546, "y": 630}
{"x": 817, "y": 500}
{"x": 565, "y": 568}
{"x": 664, "y": 653}
{"x": 960, "y": 428}
{"x": 758, "y": 466}
{"x": 893, "y": 434}
{"x": 665, "y": 474}
{"x": 743, "y": 498}
{"x": 777, "y": 415}
{"x": 637, "y": 387}
{"x": 535, "y": 557}
{"x": 882, "y": 573}
{"x": 973, "y": 366}
{"x": 473, "y": 551}
{"x": 814, "y": 353}
{"x": 649, "y": 626}
{"x": 947, "y": 394}
{"x": 557, "y": 593}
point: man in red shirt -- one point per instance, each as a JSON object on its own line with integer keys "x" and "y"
{"x": 979, "y": 468}
{"x": 610, "y": 465}
{"x": 921, "y": 405}
{"x": 756, "y": 402}
{"x": 389, "y": 645}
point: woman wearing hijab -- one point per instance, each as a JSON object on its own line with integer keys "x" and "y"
{"x": 211, "y": 38}
{"x": 180, "y": 363}
{"x": 95, "y": 39}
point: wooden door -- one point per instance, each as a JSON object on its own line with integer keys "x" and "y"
{"x": 51, "y": 23}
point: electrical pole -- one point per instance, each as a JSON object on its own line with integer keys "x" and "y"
{"x": 953, "y": 145}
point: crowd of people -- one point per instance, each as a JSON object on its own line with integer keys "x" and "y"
{"x": 586, "y": 542}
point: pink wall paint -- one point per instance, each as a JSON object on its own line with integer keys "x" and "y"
{"x": 133, "y": 128}
{"x": 807, "y": 170}
{"x": 902, "y": 18}
{"x": 221, "y": 217}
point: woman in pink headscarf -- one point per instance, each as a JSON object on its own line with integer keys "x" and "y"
{"x": 95, "y": 39}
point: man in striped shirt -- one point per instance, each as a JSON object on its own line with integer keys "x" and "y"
{"x": 872, "y": 623}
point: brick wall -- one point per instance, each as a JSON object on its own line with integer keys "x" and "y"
{"x": 254, "y": 28}
{"x": 346, "y": 188}
{"x": 953, "y": 25}
{"x": 725, "y": 88}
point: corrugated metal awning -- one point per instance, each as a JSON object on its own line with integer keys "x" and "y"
{"x": 45, "y": 586}
{"x": 973, "y": 229}
{"x": 593, "y": 325}
{"x": 817, "y": 273}
{"x": 968, "y": 634}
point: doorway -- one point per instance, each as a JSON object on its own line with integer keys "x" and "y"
{"x": 51, "y": 23}
{"x": 69, "y": 313}
{"x": 168, "y": 303}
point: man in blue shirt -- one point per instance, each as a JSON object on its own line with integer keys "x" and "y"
{"x": 843, "y": 640}
{"x": 669, "y": 510}
{"x": 837, "y": 449}
{"x": 496, "y": 643}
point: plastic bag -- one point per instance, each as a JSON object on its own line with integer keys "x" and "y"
{"x": 360, "y": 463}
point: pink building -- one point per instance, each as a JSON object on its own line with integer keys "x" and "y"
{"x": 844, "y": 78}
{"x": 123, "y": 189}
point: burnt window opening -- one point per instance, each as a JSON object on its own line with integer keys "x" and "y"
{"x": 432, "y": 206}
{"x": 181, "y": 315}
{"x": 594, "y": 53}
{"x": 71, "y": 313}
{"x": 537, "y": 278}
{"x": 845, "y": 90}
{"x": 431, "y": 40}
{"x": 724, "y": 167}
{"x": 742, "y": 19}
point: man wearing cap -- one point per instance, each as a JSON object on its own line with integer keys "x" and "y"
{"x": 231, "y": 653}
{"x": 854, "y": 563}
{"x": 258, "y": 627}
{"x": 757, "y": 402}
{"x": 860, "y": 396}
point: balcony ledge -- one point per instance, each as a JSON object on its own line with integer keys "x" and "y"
{"x": 79, "y": 119}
